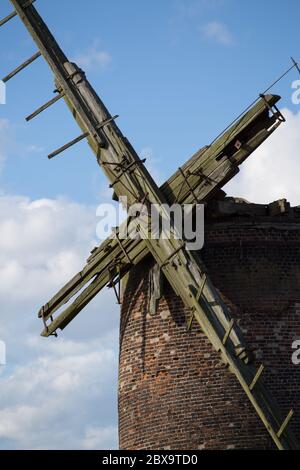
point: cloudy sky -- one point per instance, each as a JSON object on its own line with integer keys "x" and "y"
{"x": 177, "y": 71}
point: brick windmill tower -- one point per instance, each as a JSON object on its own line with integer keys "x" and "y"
{"x": 204, "y": 336}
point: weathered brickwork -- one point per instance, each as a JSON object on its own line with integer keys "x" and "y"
{"x": 174, "y": 393}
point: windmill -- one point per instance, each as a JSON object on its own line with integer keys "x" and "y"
{"x": 197, "y": 181}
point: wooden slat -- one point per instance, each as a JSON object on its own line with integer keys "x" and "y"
{"x": 14, "y": 13}
{"x": 228, "y": 331}
{"x": 101, "y": 259}
{"x": 21, "y": 67}
{"x": 256, "y": 378}
{"x": 186, "y": 268}
{"x": 285, "y": 423}
{"x": 44, "y": 107}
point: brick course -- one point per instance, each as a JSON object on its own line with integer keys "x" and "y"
{"x": 174, "y": 392}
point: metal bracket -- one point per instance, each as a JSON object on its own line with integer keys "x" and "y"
{"x": 125, "y": 169}
{"x": 42, "y": 315}
{"x": 273, "y": 109}
{"x": 112, "y": 284}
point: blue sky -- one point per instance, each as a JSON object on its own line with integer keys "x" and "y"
{"x": 177, "y": 72}
{"x": 173, "y": 84}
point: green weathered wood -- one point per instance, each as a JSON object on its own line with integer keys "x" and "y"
{"x": 250, "y": 125}
{"x": 186, "y": 268}
{"x": 228, "y": 331}
{"x": 285, "y": 423}
{"x": 209, "y": 311}
{"x": 256, "y": 378}
{"x": 223, "y": 171}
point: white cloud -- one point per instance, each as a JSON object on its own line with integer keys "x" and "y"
{"x": 93, "y": 58}
{"x": 189, "y": 9}
{"x": 42, "y": 242}
{"x": 219, "y": 32}
{"x": 99, "y": 438}
{"x": 273, "y": 171}
{"x": 5, "y": 129}
{"x": 55, "y": 393}
{"x": 59, "y": 398}
{"x": 33, "y": 148}
{"x": 186, "y": 15}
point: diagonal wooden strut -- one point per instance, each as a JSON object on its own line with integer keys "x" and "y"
{"x": 14, "y": 13}
{"x": 186, "y": 268}
{"x": 44, "y": 107}
{"x": 21, "y": 67}
{"x": 215, "y": 172}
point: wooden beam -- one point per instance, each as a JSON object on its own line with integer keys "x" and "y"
{"x": 183, "y": 273}
{"x": 285, "y": 423}
{"x": 44, "y": 107}
{"x": 256, "y": 377}
{"x": 14, "y": 13}
{"x": 217, "y": 172}
{"x": 21, "y": 67}
{"x": 228, "y": 332}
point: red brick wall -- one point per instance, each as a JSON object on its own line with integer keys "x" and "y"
{"x": 174, "y": 393}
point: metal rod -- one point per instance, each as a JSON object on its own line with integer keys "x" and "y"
{"x": 8, "y": 18}
{"x": 257, "y": 376}
{"x": 14, "y": 13}
{"x": 79, "y": 138}
{"x": 112, "y": 284}
{"x": 278, "y": 79}
{"x": 68, "y": 145}
{"x": 21, "y": 67}
{"x": 295, "y": 64}
{"x": 285, "y": 423}
{"x": 45, "y": 106}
